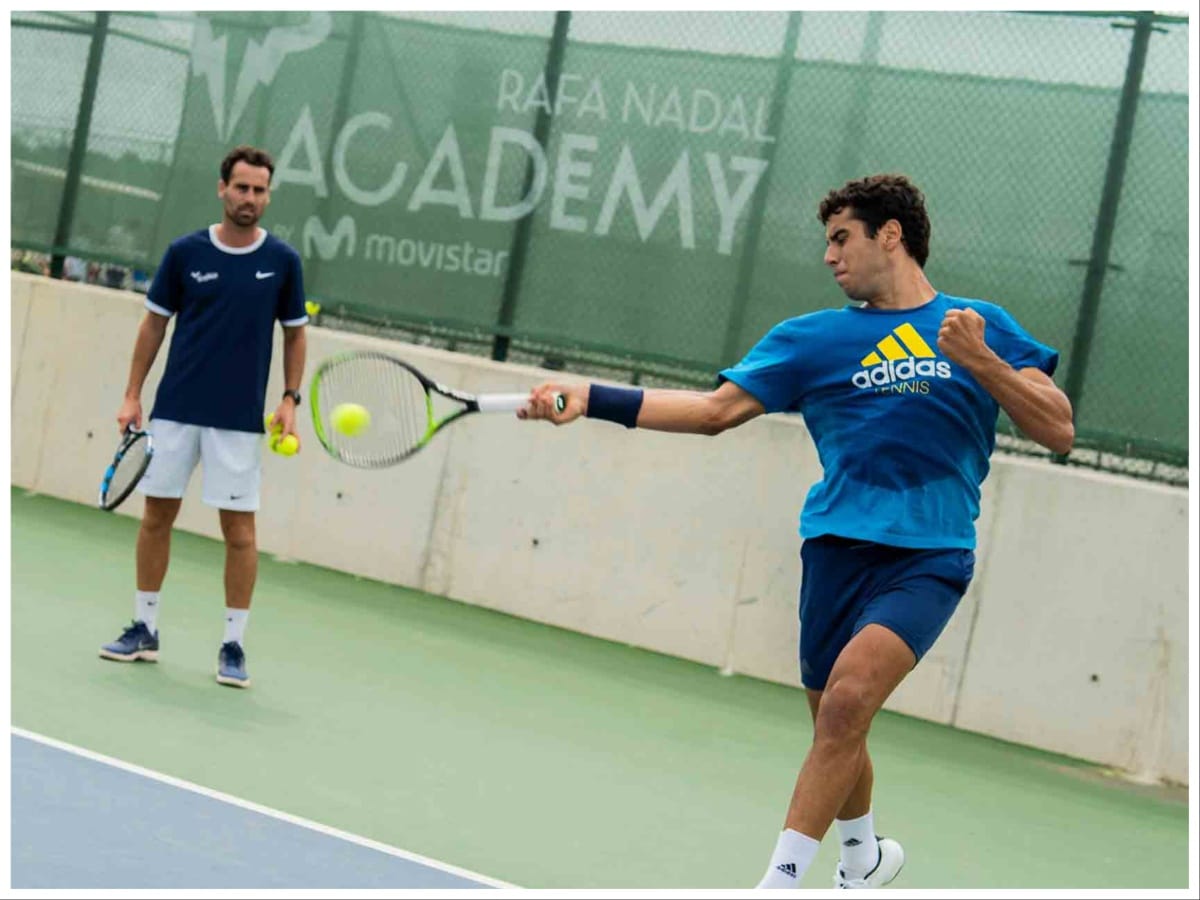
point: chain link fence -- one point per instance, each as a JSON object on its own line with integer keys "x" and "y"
{"x": 634, "y": 195}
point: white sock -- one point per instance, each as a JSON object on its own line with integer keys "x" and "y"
{"x": 860, "y": 850}
{"x": 794, "y": 853}
{"x": 145, "y": 609}
{"x": 235, "y": 624}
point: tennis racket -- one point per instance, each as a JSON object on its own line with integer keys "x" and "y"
{"x": 399, "y": 398}
{"x": 127, "y": 468}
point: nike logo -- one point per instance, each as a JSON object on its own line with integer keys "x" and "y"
{"x": 261, "y": 275}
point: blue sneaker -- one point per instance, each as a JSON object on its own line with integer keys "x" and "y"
{"x": 136, "y": 642}
{"x": 231, "y": 665}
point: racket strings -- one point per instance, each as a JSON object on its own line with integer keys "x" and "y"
{"x": 396, "y": 400}
{"x": 126, "y": 470}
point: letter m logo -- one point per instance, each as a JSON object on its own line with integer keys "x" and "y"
{"x": 328, "y": 244}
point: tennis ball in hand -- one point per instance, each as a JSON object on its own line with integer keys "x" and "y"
{"x": 269, "y": 424}
{"x": 350, "y": 418}
{"x": 286, "y": 446}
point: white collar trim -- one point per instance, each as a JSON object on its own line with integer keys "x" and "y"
{"x": 236, "y": 251}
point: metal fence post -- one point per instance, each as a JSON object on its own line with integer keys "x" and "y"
{"x": 83, "y": 126}
{"x": 758, "y": 204}
{"x": 524, "y": 228}
{"x": 1106, "y": 218}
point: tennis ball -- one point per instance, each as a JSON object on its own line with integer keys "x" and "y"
{"x": 268, "y": 423}
{"x": 286, "y": 446}
{"x": 350, "y": 418}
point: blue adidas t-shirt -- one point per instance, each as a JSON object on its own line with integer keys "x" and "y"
{"x": 226, "y": 300}
{"x": 904, "y": 434}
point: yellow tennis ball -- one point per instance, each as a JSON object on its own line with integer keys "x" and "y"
{"x": 287, "y": 445}
{"x": 350, "y": 418}
{"x": 269, "y": 424}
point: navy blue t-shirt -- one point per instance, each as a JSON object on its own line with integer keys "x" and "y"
{"x": 227, "y": 300}
{"x": 904, "y": 435}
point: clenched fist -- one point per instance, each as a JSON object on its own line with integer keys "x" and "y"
{"x": 961, "y": 338}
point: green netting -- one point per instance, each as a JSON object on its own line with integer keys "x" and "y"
{"x": 663, "y": 217}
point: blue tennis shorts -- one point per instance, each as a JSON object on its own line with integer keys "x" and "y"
{"x": 847, "y": 584}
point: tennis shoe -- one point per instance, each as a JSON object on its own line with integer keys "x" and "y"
{"x": 136, "y": 642}
{"x": 231, "y": 665}
{"x": 891, "y": 861}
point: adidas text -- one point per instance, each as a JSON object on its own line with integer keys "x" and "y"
{"x": 891, "y": 371}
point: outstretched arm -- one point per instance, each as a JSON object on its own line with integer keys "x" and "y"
{"x": 687, "y": 412}
{"x": 1030, "y": 397}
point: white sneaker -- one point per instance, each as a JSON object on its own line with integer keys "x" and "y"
{"x": 891, "y": 861}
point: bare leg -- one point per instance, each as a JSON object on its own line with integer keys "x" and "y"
{"x": 154, "y": 541}
{"x": 859, "y": 802}
{"x": 241, "y": 557}
{"x": 865, "y": 674}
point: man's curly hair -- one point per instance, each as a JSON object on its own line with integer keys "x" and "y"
{"x": 877, "y": 198}
{"x": 247, "y": 154}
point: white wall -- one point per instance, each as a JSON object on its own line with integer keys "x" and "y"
{"x": 1073, "y": 636}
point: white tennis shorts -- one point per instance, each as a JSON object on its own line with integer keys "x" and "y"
{"x": 232, "y": 463}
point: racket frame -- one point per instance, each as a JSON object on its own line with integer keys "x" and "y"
{"x": 128, "y": 441}
{"x": 471, "y": 403}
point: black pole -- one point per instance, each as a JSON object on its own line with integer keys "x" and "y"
{"x": 521, "y": 234}
{"x": 83, "y": 126}
{"x": 1106, "y": 218}
{"x": 758, "y": 204}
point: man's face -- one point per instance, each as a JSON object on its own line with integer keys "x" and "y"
{"x": 859, "y": 262}
{"x": 246, "y": 194}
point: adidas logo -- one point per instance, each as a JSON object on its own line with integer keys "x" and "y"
{"x": 788, "y": 869}
{"x": 900, "y": 356}
{"x": 853, "y": 842}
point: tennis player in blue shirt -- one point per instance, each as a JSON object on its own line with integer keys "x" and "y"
{"x": 900, "y": 391}
{"x": 226, "y": 286}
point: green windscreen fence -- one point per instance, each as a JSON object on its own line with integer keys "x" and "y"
{"x": 635, "y": 194}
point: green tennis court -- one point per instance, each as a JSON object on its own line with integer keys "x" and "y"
{"x": 532, "y": 755}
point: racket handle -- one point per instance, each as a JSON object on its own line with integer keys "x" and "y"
{"x": 512, "y": 402}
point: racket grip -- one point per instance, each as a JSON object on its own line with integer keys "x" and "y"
{"x": 513, "y": 402}
{"x": 502, "y": 402}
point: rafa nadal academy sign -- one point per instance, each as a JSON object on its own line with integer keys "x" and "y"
{"x": 671, "y": 162}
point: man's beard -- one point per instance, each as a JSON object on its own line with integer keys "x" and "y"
{"x": 244, "y": 217}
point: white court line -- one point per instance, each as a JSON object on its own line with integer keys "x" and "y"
{"x": 265, "y": 810}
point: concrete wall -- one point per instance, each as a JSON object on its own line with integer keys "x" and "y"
{"x": 1073, "y": 637}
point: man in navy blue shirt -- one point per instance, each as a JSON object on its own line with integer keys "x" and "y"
{"x": 226, "y": 285}
{"x": 900, "y": 391}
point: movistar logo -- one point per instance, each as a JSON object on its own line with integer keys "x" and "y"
{"x": 899, "y": 358}
{"x": 326, "y": 243}
{"x": 260, "y": 62}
